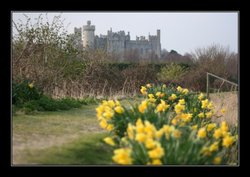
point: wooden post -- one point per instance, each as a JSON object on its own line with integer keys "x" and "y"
{"x": 207, "y": 86}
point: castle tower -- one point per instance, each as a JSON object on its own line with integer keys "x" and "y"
{"x": 88, "y": 36}
{"x": 158, "y": 46}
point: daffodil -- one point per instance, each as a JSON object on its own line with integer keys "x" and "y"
{"x": 202, "y": 133}
{"x": 122, "y": 156}
{"x": 182, "y": 101}
{"x": 179, "y": 89}
{"x": 117, "y": 103}
{"x": 143, "y": 90}
{"x": 210, "y": 105}
{"x": 162, "y": 106}
{"x": 186, "y": 117}
{"x": 149, "y": 129}
{"x": 201, "y": 115}
{"x": 209, "y": 114}
{"x": 224, "y": 126}
{"x": 111, "y": 103}
{"x": 179, "y": 108}
{"x": 110, "y": 127}
{"x": 109, "y": 141}
{"x": 201, "y": 96}
{"x": 174, "y": 121}
{"x": 217, "y": 133}
{"x": 185, "y": 91}
{"x": 119, "y": 109}
{"x": 227, "y": 141}
{"x": 158, "y": 94}
{"x": 150, "y": 95}
{"x": 159, "y": 133}
{"x": 156, "y": 153}
{"x": 140, "y": 137}
{"x": 172, "y": 97}
{"x": 214, "y": 147}
{"x": 204, "y": 104}
{"x": 31, "y": 85}
{"x": 140, "y": 128}
{"x": 143, "y": 106}
{"x": 156, "y": 162}
{"x": 150, "y": 143}
{"x": 217, "y": 160}
{"x": 103, "y": 123}
{"x": 108, "y": 114}
{"x": 130, "y": 131}
{"x": 211, "y": 126}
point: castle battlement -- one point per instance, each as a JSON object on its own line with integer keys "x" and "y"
{"x": 119, "y": 42}
{"x": 89, "y": 27}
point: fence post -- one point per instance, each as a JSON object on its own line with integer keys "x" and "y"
{"x": 207, "y": 86}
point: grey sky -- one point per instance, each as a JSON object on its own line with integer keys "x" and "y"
{"x": 181, "y": 31}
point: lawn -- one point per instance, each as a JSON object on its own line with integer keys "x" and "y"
{"x": 61, "y": 137}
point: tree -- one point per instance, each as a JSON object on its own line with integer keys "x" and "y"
{"x": 41, "y": 50}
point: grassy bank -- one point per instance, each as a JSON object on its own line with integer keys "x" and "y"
{"x": 44, "y": 130}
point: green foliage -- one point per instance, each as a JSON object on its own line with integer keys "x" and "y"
{"x": 24, "y": 91}
{"x": 171, "y": 73}
{"x": 49, "y": 104}
{"x": 89, "y": 100}
{"x": 46, "y": 103}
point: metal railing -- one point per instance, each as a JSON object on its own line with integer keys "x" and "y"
{"x": 224, "y": 80}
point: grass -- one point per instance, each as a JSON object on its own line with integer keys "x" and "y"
{"x": 45, "y": 130}
{"x": 60, "y": 137}
{"x": 87, "y": 150}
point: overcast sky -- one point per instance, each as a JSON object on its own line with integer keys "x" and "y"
{"x": 180, "y": 31}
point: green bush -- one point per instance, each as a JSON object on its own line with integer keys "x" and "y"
{"x": 33, "y": 105}
{"x": 24, "y": 91}
{"x": 67, "y": 103}
{"x": 89, "y": 100}
{"x": 171, "y": 73}
{"x": 46, "y": 103}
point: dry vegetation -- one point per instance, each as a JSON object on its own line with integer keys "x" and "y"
{"x": 229, "y": 101}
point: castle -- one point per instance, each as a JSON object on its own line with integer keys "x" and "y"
{"x": 116, "y": 42}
